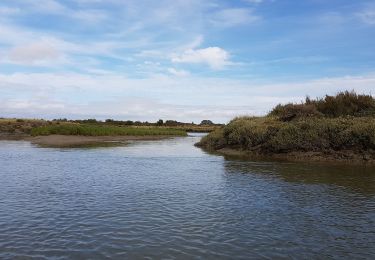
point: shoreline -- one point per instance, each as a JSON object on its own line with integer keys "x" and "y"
{"x": 346, "y": 156}
{"x": 72, "y": 141}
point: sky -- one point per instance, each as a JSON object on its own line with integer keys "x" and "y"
{"x": 185, "y": 60}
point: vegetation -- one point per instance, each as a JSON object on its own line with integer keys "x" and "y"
{"x": 310, "y": 134}
{"x": 23, "y": 127}
{"x": 343, "y": 104}
{"x": 206, "y": 122}
{"x": 189, "y": 127}
{"x": 341, "y": 123}
{"x": 19, "y": 126}
{"x": 98, "y": 130}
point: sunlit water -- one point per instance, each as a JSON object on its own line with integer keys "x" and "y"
{"x": 168, "y": 199}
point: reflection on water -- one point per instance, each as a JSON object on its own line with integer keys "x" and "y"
{"x": 355, "y": 178}
{"x": 169, "y": 199}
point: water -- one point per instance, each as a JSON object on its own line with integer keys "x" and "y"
{"x": 168, "y": 199}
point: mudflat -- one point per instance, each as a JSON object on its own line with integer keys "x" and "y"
{"x": 78, "y": 140}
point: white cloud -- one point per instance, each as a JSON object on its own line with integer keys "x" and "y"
{"x": 186, "y": 98}
{"x": 53, "y": 7}
{"x": 179, "y": 73}
{"x": 215, "y": 57}
{"x": 34, "y": 53}
{"x": 195, "y": 43}
{"x": 233, "y": 17}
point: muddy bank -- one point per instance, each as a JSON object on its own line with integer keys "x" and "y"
{"x": 346, "y": 156}
{"x": 79, "y": 141}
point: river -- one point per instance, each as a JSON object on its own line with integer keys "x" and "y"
{"x": 169, "y": 199}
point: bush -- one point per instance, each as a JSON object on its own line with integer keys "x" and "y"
{"x": 290, "y": 111}
{"x": 213, "y": 141}
{"x": 343, "y": 104}
{"x": 346, "y": 104}
{"x": 269, "y": 135}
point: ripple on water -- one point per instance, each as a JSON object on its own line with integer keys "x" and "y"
{"x": 168, "y": 199}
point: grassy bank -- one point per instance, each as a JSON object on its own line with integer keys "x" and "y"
{"x": 98, "y": 130}
{"x": 344, "y": 129}
{"x": 13, "y": 127}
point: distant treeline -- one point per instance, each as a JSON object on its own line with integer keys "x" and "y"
{"x": 160, "y": 122}
{"x": 14, "y": 126}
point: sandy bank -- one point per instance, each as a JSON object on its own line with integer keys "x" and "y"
{"x": 80, "y": 141}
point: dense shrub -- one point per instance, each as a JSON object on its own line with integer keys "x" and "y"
{"x": 343, "y": 104}
{"x": 213, "y": 141}
{"x": 290, "y": 111}
{"x": 265, "y": 135}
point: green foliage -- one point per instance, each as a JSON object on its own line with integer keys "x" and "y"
{"x": 213, "y": 141}
{"x": 98, "y": 130}
{"x": 343, "y": 104}
{"x": 118, "y": 122}
{"x": 269, "y": 135}
{"x": 290, "y": 111}
{"x": 171, "y": 123}
{"x": 346, "y": 103}
{"x": 206, "y": 122}
{"x": 160, "y": 122}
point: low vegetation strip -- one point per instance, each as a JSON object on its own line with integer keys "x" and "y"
{"x": 93, "y": 130}
{"x": 346, "y": 130}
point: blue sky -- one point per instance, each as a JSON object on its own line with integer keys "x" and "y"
{"x": 185, "y": 60}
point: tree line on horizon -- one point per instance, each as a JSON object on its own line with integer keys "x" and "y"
{"x": 160, "y": 122}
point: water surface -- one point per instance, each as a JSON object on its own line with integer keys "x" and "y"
{"x": 169, "y": 199}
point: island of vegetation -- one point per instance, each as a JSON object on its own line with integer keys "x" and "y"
{"x": 333, "y": 128}
{"x": 91, "y": 132}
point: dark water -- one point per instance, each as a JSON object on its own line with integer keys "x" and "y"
{"x": 168, "y": 199}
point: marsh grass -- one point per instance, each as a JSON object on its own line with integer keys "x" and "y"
{"x": 99, "y": 130}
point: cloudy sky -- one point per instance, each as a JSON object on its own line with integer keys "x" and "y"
{"x": 186, "y": 60}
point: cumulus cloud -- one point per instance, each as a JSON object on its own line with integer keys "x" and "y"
{"x": 215, "y": 57}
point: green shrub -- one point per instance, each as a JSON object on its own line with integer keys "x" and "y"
{"x": 213, "y": 141}
{"x": 290, "y": 111}
{"x": 343, "y": 104}
{"x": 265, "y": 134}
